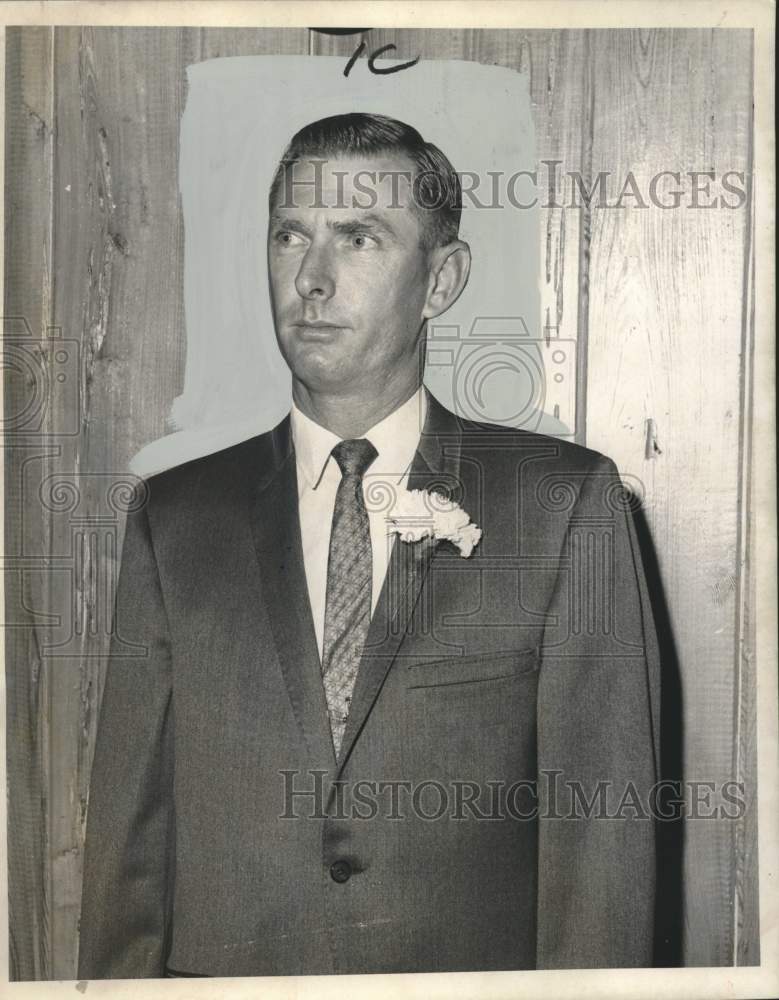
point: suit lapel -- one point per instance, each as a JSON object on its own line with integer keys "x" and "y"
{"x": 436, "y": 464}
{"x": 275, "y": 523}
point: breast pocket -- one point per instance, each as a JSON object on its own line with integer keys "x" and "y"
{"x": 477, "y": 668}
{"x": 471, "y": 718}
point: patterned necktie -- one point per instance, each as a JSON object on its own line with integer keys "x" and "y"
{"x": 349, "y": 579}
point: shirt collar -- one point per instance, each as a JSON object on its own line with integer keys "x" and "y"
{"x": 395, "y": 438}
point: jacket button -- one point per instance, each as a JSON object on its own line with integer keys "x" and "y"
{"x": 340, "y": 871}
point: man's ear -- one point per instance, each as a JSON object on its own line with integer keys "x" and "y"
{"x": 450, "y": 266}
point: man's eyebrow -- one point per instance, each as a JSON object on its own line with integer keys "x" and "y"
{"x": 369, "y": 223}
{"x": 293, "y": 225}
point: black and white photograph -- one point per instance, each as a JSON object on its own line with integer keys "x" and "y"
{"x": 389, "y": 554}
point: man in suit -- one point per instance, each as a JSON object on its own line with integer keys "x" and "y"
{"x": 348, "y": 751}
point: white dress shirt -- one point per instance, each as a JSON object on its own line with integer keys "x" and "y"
{"x": 396, "y": 439}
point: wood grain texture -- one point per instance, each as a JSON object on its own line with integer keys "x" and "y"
{"x": 656, "y": 301}
{"x": 745, "y": 854}
{"x": 665, "y": 362}
{"x": 28, "y": 242}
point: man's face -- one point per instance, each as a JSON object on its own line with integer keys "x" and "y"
{"x": 349, "y": 285}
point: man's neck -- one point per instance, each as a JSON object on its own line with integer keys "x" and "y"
{"x": 349, "y": 416}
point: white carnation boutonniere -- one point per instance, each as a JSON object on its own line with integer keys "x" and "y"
{"x": 418, "y": 514}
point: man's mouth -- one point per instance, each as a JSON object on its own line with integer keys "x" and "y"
{"x": 316, "y": 329}
{"x": 317, "y": 324}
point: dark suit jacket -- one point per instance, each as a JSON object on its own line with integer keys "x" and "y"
{"x": 533, "y": 659}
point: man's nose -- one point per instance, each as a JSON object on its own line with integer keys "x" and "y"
{"x": 315, "y": 278}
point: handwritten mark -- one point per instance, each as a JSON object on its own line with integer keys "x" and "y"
{"x": 385, "y": 71}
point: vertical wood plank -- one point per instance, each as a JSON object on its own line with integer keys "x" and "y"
{"x": 747, "y": 880}
{"x": 28, "y": 165}
{"x": 664, "y": 376}
{"x": 217, "y": 43}
{"x": 557, "y": 65}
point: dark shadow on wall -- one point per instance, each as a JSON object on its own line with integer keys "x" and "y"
{"x": 670, "y": 832}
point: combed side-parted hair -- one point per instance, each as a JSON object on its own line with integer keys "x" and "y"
{"x": 437, "y": 194}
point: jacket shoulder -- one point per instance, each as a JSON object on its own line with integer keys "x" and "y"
{"x": 567, "y": 454}
{"x": 217, "y": 470}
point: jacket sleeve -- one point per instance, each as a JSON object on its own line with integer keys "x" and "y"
{"x": 598, "y": 742}
{"x": 128, "y": 860}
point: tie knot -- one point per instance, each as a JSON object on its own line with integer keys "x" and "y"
{"x": 354, "y": 456}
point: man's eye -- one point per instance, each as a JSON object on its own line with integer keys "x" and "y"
{"x": 286, "y": 238}
{"x": 361, "y": 240}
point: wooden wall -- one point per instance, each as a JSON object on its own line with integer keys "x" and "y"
{"x": 657, "y": 300}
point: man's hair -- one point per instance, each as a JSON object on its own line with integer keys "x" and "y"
{"x": 437, "y": 194}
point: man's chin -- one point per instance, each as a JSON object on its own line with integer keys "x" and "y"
{"x": 321, "y": 372}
